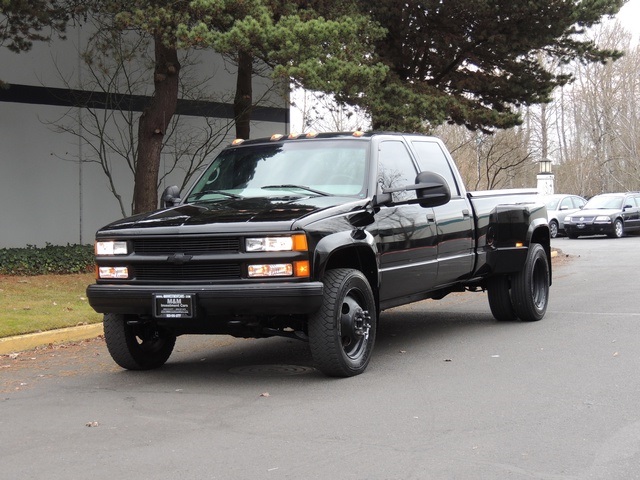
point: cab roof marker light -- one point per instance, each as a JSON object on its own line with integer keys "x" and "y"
{"x": 311, "y": 134}
{"x": 237, "y": 141}
{"x": 293, "y": 135}
{"x": 276, "y": 136}
{"x": 358, "y": 133}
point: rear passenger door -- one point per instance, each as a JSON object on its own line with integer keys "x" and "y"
{"x": 632, "y": 215}
{"x": 454, "y": 221}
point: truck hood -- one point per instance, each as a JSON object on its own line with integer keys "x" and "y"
{"x": 246, "y": 210}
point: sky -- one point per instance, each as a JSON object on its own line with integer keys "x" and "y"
{"x": 629, "y": 15}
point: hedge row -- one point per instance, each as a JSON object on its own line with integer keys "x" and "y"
{"x": 51, "y": 259}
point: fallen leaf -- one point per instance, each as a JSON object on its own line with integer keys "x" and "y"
{"x": 615, "y": 354}
{"x": 92, "y": 424}
{"x": 264, "y": 394}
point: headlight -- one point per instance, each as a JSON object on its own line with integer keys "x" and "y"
{"x": 602, "y": 219}
{"x": 111, "y": 248}
{"x": 291, "y": 243}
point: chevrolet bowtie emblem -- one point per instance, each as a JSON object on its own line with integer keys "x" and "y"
{"x": 179, "y": 258}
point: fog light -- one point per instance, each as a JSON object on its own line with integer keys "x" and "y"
{"x": 113, "y": 272}
{"x": 271, "y": 270}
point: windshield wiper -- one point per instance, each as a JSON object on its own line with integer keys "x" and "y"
{"x": 198, "y": 196}
{"x": 300, "y": 187}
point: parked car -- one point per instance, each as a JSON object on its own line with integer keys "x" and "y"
{"x": 611, "y": 214}
{"x": 558, "y": 207}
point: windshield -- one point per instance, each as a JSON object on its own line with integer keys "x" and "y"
{"x": 302, "y": 168}
{"x": 603, "y": 202}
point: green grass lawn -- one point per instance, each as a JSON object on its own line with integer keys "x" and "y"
{"x": 44, "y": 302}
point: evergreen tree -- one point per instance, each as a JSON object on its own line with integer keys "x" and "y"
{"x": 471, "y": 62}
{"x": 24, "y": 21}
{"x": 329, "y": 54}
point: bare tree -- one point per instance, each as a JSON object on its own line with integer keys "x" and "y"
{"x": 491, "y": 161}
{"x": 320, "y": 112}
{"x": 119, "y": 67}
{"x": 600, "y": 118}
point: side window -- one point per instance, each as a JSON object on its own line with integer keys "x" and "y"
{"x": 566, "y": 204}
{"x": 432, "y": 158}
{"x": 578, "y": 202}
{"x": 396, "y": 169}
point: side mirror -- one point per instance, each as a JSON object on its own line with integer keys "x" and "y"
{"x": 432, "y": 190}
{"x": 170, "y": 196}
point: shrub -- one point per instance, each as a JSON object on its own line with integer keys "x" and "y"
{"x": 52, "y": 259}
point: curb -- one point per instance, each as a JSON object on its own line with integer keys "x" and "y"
{"x": 30, "y": 341}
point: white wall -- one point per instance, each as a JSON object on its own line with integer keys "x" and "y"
{"x": 46, "y": 194}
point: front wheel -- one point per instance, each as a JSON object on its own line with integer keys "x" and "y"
{"x": 618, "y": 229}
{"x": 530, "y": 286}
{"x": 553, "y": 228}
{"x": 136, "y": 345}
{"x": 342, "y": 333}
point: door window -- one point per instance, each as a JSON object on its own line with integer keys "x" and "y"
{"x": 566, "y": 204}
{"x": 396, "y": 169}
{"x": 431, "y": 158}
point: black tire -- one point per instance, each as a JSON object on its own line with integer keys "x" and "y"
{"x": 343, "y": 332}
{"x": 530, "y": 286}
{"x": 618, "y": 229}
{"x": 553, "y": 229}
{"x": 500, "y": 299}
{"x": 136, "y": 346}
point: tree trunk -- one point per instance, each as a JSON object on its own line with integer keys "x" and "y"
{"x": 152, "y": 126}
{"x": 244, "y": 95}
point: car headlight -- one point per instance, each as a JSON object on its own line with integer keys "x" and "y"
{"x": 602, "y": 219}
{"x": 291, "y": 243}
{"x": 111, "y": 247}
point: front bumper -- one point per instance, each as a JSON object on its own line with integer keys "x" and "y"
{"x": 589, "y": 229}
{"x": 212, "y": 300}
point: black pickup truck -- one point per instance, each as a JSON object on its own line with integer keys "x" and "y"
{"x": 311, "y": 237}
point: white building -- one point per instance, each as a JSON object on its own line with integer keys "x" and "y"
{"x": 46, "y": 194}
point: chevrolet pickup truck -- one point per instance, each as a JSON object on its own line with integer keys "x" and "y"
{"x": 312, "y": 237}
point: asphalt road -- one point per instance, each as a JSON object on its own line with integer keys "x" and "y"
{"x": 449, "y": 394}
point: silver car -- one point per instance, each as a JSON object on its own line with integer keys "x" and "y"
{"x": 558, "y": 207}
